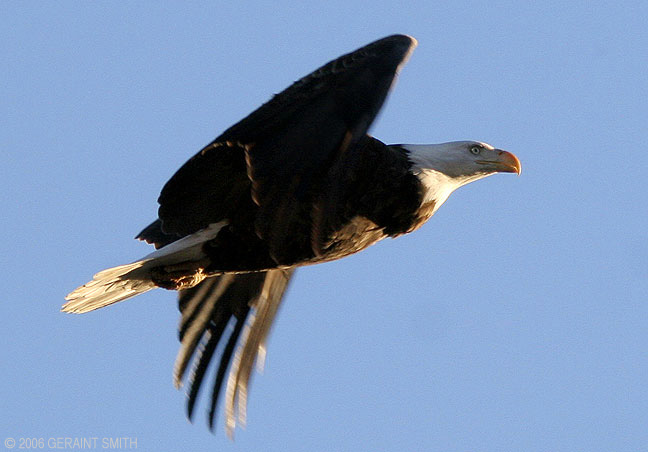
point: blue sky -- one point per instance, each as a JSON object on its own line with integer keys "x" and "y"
{"x": 516, "y": 319}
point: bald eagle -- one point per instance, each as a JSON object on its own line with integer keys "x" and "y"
{"x": 297, "y": 182}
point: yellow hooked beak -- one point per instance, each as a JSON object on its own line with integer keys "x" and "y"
{"x": 503, "y": 162}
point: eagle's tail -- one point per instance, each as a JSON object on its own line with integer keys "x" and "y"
{"x": 110, "y": 286}
{"x": 125, "y": 281}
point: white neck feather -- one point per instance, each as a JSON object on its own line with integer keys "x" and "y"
{"x": 442, "y": 168}
{"x": 438, "y": 186}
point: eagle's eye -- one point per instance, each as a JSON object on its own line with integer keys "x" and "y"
{"x": 475, "y": 150}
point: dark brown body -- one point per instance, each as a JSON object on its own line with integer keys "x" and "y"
{"x": 385, "y": 202}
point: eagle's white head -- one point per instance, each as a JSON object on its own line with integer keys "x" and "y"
{"x": 442, "y": 168}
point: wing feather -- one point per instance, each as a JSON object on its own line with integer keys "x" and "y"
{"x": 241, "y": 308}
{"x": 280, "y": 154}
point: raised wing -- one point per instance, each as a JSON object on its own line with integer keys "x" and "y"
{"x": 279, "y": 156}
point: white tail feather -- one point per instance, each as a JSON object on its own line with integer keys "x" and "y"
{"x": 119, "y": 283}
{"x": 108, "y": 287}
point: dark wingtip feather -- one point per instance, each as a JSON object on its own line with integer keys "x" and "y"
{"x": 202, "y": 363}
{"x": 224, "y": 363}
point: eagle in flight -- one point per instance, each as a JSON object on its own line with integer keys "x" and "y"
{"x": 297, "y": 182}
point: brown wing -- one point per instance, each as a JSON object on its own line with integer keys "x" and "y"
{"x": 281, "y": 153}
{"x": 248, "y": 303}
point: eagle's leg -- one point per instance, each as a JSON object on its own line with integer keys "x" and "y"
{"x": 179, "y": 276}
